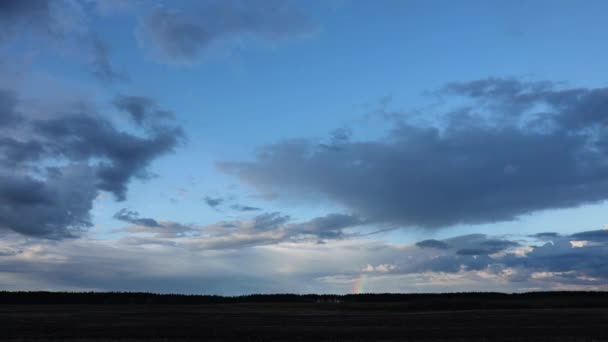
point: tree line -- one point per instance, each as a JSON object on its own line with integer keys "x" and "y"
{"x": 413, "y": 301}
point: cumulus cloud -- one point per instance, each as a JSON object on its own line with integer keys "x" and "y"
{"x": 493, "y": 160}
{"x": 53, "y": 166}
{"x": 56, "y": 207}
{"x": 182, "y": 35}
{"x": 557, "y": 263}
{"x": 540, "y": 265}
{"x": 123, "y": 155}
{"x": 379, "y": 268}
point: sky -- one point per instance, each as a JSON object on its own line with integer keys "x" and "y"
{"x": 273, "y": 146}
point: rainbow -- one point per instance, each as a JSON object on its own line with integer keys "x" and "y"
{"x": 359, "y": 284}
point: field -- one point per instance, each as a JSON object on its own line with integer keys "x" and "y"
{"x": 296, "y": 322}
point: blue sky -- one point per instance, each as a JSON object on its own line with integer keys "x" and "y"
{"x": 291, "y": 146}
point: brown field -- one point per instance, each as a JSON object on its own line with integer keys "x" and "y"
{"x": 296, "y": 322}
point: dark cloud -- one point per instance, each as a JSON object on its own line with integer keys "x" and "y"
{"x": 545, "y": 235}
{"x": 432, "y": 244}
{"x": 8, "y": 252}
{"x": 141, "y": 109}
{"x": 340, "y": 135}
{"x": 488, "y": 247}
{"x": 102, "y": 67}
{"x": 124, "y": 156}
{"x": 493, "y": 160}
{"x": 337, "y": 137}
{"x": 330, "y": 226}
{"x": 566, "y": 261}
{"x": 217, "y": 202}
{"x": 131, "y": 216}
{"x": 163, "y": 232}
{"x": 31, "y": 13}
{"x": 59, "y": 20}
{"x": 575, "y": 259}
{"x": 213, "y": 202}
{"x": 16, "y": 152}
{"x": 239, "y": 207}
{"x": 593, "y": 235}
{"x": 57, "y": 207}
{"x": 453, "y": 264}
{"x": 477, "y": 244}
{"x": 182, "y": 35}
{"x": 268, "y": 221}
{"x": 8, "y": 102}
{"x": 52, "y": 169}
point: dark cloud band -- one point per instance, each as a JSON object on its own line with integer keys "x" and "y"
{"x": 524, "y": 147}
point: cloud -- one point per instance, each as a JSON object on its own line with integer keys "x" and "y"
{"x": 432, "y": 244}
{"x": 304, "y": 267}
{"x": 163, "y": 233}
{"x": 217, "y": 202}
{"x": 8, "y": 108}
{"x": 379, "y": 268}
{"x": 240, "y": 207}
{"x": 102, "y": 67}
{"x": 548, "y": 265}
{"x": 57, "y": 207}
{"x": 492, "y": 160}
{"x": 567, "y": 262}
{"x": 36, "y": 13}
{"x": 124, "y": 156}
{"x": 141, "y": 109}
{"x": 213, "y": 202}
{"x": 593, "y": 235}
{"x": 545, "y": 235}
{"x": 266, "y": 222}
{"x": 52, "y": 167}
{"x": 330, "y": 226}
{"x": 488, "y": 247}
{"x": 261, "y": 230}
{"x": 60, "y": 21}
{"x": 131, "y": 216}
{"x": 183, "y": 35}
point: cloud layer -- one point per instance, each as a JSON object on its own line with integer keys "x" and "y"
{"x": 521, "y": 263}
{"x": 514, "y": 149}
{"x": 263, "y": 229}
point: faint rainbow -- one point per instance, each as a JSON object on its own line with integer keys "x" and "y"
{"x": 359, "y": 284}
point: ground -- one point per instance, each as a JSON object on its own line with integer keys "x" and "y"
{"x": 297, "y": 322}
